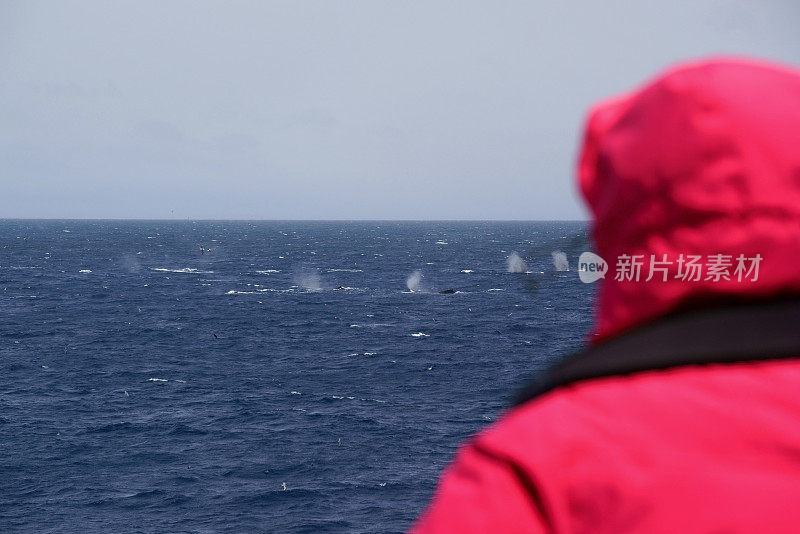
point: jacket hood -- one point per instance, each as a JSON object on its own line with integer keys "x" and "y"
{"x": 702, "y": 161}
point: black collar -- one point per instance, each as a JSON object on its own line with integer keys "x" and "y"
{"x": 739, "y": 333}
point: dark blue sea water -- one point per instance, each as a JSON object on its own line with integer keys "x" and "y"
{"x": 148, "y": 387}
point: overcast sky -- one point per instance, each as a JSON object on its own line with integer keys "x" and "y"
{"x": 331, "y": 109}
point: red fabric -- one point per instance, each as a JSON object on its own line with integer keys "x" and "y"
{"x": 691, "y": 450}
{"x": 703, "y": 160}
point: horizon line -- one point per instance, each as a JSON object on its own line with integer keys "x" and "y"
{"x": 188, "y": 219}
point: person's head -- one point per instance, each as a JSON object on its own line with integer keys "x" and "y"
{"x": 703, "y": 161}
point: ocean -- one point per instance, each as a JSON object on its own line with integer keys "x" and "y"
{"x": 282, "y": 378}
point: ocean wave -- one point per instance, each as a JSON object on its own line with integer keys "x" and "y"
{"x": 345, "y": 270}
{"x": 257, "y": 291}
{"x": 363, "y": 399}
{"x": 467, "y": 271}
{"x": 186, "y": 270}
{"x": 420, "y": 334}
{"x": 268, "y": 271}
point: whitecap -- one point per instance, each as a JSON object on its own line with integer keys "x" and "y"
{"x": 157, "y": 380}
{"x": 345, "y": 270}
{"x": 441, "y": 242}
{"x": 268, "y": 271}
{"x": 296, "y": 393}
{"x": 495, "y": 289}
{"x": 85, "y": 271}
{"x": 467, "y": 271}
{"x": 188, "y": 270}
{"x": 420, "y": 334}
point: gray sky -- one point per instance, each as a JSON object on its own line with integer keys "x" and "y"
{"x": 331, "y": 109}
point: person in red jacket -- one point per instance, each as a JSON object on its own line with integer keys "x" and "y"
{"x": 683, "y": 415}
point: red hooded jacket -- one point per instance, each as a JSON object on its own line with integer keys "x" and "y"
{"x": 696, "y": 426}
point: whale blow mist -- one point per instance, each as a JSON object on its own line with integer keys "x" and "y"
{"x": 516, "y": 264}
{"x": 560, "y": 261}
{"x": 308, "y": 279}
{"x": 414, "y": 281}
